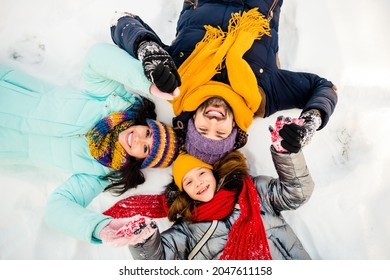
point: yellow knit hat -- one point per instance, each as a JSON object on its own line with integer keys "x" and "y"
{"x": 183, "y": 164}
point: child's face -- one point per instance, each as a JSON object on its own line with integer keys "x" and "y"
{"x": 214, "y": 120}
{"x": 200, "y": 184}
{"x": 136, "y": 140}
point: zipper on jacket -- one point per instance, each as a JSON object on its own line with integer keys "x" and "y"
{"x": 271, "y": 11}
{"x": 193, "y": 4}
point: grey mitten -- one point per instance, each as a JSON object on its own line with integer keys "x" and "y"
{"x": 158, "y": 66}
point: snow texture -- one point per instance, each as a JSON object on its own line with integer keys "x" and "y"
{"x": 346, "y": 42}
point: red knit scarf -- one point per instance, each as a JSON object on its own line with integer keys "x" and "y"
{"x": 247, "y": 239}
{"x": 216, "y": 209}
{"x": 150, "y": 205}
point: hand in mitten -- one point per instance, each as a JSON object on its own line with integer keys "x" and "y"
{"x": 109, "y": 236}
{"x": 126, "y": 231}
{"x": 158, "y": 66}
{"x": 291, "y": 136}
{"x": 137, "y": 230}
{"x": 297, "y": 135}
{"x": 312, "y": 121}
{"x": 281, "y": 144}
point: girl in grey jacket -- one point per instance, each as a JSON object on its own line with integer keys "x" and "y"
{"x": 241, "y": 214}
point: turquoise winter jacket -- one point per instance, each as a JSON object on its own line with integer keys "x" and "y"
{"x": 44, "y": 125}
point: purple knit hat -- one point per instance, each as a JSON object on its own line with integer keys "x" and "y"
{"x": 207, "y": 150}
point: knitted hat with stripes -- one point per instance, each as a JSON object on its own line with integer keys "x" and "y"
{"x": 106, "y": 149}
{"x": 164, "y": 146}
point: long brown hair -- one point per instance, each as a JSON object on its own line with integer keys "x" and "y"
{"x": 229, "y": 173}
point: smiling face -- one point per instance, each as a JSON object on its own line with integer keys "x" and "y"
{"x": 214, "y": 119}
{"x": 136, "y": 140}
{"x": 200, "y": 184}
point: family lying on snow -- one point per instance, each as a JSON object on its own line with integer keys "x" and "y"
{"x": 220, "y": 72}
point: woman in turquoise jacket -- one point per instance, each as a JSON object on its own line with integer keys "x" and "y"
{"x": 107, "y": 131}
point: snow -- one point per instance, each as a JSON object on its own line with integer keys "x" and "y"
{"x": 343, "y": 41}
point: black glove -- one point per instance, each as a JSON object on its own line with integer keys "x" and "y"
{"x": 159, "y": 67}
{"x": 296, "y": 136}
{"x": 292, "y": 135}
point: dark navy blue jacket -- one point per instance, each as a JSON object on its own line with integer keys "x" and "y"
{"x": 283, "y": 89}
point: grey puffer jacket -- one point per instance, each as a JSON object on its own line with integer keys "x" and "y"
{"x": 288, "y": 192}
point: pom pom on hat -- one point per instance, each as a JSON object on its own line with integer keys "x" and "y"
{"x": 164, "y": 146}
{"x": 183, "y": 164}
{"x": 208, "y": 150}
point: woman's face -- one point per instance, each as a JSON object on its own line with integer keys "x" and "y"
{"x": 136, "y": 140}
{"x": 200, "y": 184}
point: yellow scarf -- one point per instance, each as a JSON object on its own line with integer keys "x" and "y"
{"x": 206, "y": 60}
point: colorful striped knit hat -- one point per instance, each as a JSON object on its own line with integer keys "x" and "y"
{"x": 103, "y": 139}
{"x": 106, "y": 149}
{"x": 164, "y": 146}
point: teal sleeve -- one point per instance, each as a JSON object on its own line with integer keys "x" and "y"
{"x": 109, "y": 69}
{"x": 66, "y": 210}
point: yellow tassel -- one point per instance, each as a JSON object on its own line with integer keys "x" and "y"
{"x": 251, "y": 21}
{"x": 212, "y": 33}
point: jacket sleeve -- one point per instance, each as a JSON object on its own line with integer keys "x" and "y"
{"x": 109, "y": 69}
{"x": 301, "y": 90}
{"x": 66, "y": 210}
{"x": 129, "y": 31}
{"x": 172, "y": 244}
{"x": 150, "y": 249}
{"x": 292, "y": 189}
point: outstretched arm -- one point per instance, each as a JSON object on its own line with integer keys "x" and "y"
{"x": 66, "y": 209}
{"x": 129, "y": 30}
{"x": 294, "y": 184}
{"x": 302, "y": 90}
{"x": 130, "y": 33}
{"x": 146, "y": 242}
{"x": 110, "y": 69}
{"x": 291, "y": 189}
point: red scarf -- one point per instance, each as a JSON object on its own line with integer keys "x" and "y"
{"x": 153, "y": 206}
{"x": 216, "y": 209}
{"x": 247, "y": 239}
